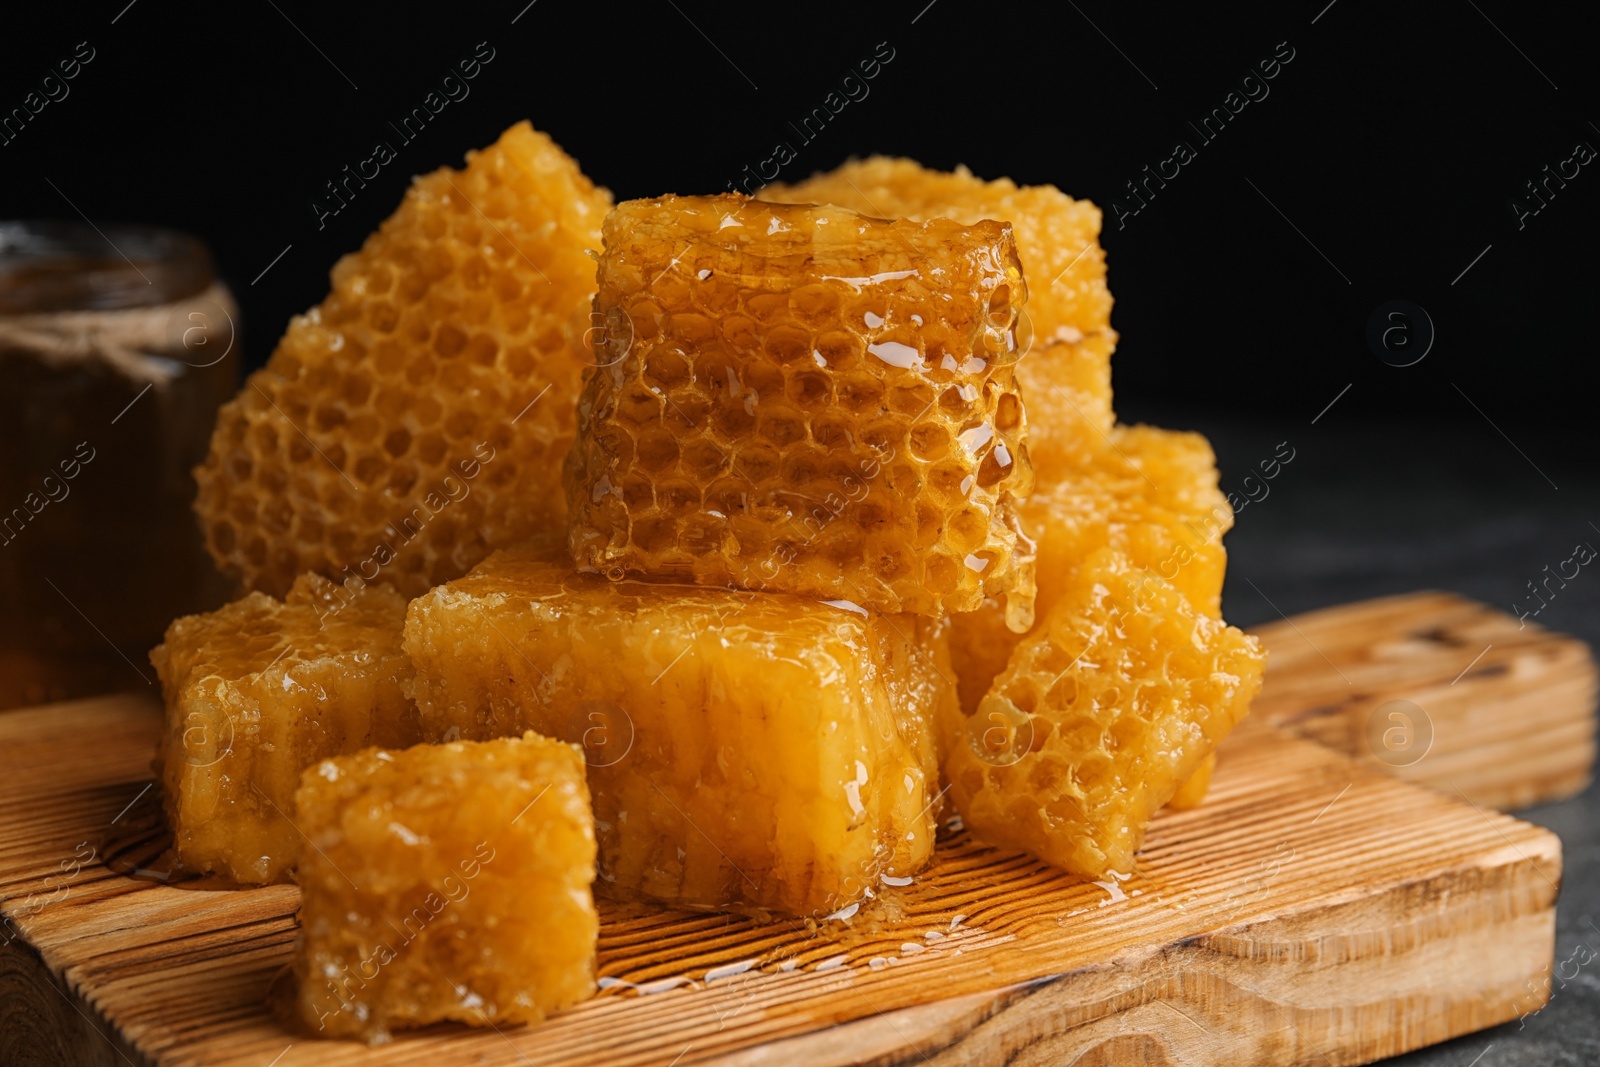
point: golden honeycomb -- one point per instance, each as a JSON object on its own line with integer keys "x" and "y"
{"x": 1067, "y": 386}
{"x": 416, "y": 419}
{"x": 260, "y": 689}
{"x": 1112, "y": 703}
{"x": 445, "y": 882}
{"x": 1148, "y": 492}
{"x": 805, "y": 400}
{"x": 1066, "y": 375}
{"x": 1192, "y": 792}
{"x": 755, "y": 751}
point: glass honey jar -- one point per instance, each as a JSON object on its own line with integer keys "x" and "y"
{"x": 116, "y": 347}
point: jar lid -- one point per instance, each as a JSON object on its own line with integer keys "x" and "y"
{"x": 50, "y": 266}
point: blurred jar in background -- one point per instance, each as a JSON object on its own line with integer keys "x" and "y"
{"x": 116, "y": 349}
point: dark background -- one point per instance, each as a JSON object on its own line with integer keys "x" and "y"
{"x": 1381, "y": 165}
{"x": 1394, "y": 141}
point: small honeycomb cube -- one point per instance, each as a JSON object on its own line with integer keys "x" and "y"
{"x": 1066, "y": 375}
{"x": 417, "y": 418}
{"x": 1113, "y": 702}
{"x": 1150, "y": 493}
{"x": 754, "y": 751}
{"x": 805, "y": 400}
{"x": 445, "y": 882}
{"x": 260, "y": 689}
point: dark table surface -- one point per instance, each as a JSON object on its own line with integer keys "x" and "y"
{"x": 1371, "y": 508}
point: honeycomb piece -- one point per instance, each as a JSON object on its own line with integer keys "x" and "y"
{"x": 445, "y": 882}
{"x": 808, "y": 401}
{"x": 1058, "y": 238}
{"x": 258, "y": 690}
{"x": 760, "y": 752}
{"x": 1067, "y": 386}
{"x": 1066, "y": 375}
{"x": 1110, "y": 705}
{"x": 1150, "y": 493}
{"x": 416, "y": 419}
{"x": 1191, "y": 793}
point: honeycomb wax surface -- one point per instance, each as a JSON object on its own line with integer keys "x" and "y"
{"x": 260, "y": 689}
{"x": 1150, "y": 493}
{"x": 1192, "y": 793}
{"x": 416, "y": 419}
{"x": 447, "y": 882}
{"x": 1115, "y": 700}
{"x": 755, "y": 751}
{"x": 805, "y": 400}
{"x": 1066, "y": 373}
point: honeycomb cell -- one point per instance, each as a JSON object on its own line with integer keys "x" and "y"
{"x": 1151, "y": 494}
{"x": 1066, "y": 375}
{"x": 754, "y": 751}
{"x": 260, "y": 689}
{"x": 381, "y": 363}
{"x": 884, "y": 315}
{"x": 1115, "y": 700}
{"x": 444, "y": 882}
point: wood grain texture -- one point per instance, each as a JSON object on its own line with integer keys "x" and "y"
{"x": 1313, "y": 911}
{"x": 1511, "y": 706}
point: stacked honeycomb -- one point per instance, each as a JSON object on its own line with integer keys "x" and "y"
{"x": 1170, "y": 517}
{"x": 1115, "y": 701}
{"x": 417, "y": 418}
{"x": 1066, "y": 376}
{"x": 805, "y": 400}
{"x": 797, "y": 494}
{"x": 755, "y": 751}
{"x": 445, "y": 882}
{"x": 1151, "y": 494}
{"x": 257, "y": 691}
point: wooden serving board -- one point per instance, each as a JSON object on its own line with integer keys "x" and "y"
{"x": 1314, "y": 910}
{"x": 1507, "y": 708}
